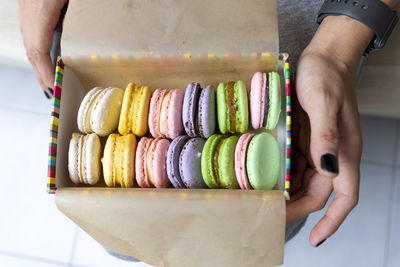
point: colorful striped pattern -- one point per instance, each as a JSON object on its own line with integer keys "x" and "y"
{"x": 285, "y": 58}
{"x": 55, "y": 115}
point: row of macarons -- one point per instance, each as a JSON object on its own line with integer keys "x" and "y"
{"x": 248, "y": 161}
{"x": 197, "y": 111}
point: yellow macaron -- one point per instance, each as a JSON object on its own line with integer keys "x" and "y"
{"x": 119, "y": 160}
{"x": 135, "y": 110}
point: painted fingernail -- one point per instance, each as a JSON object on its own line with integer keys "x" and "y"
{"x": 46, "y": 94}
{"x": 51, "y": 90}
{"x": 320, "y": 243}
{"x": 329, "y": 163}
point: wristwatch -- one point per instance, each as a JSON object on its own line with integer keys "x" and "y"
{"x": 373, "y": 13}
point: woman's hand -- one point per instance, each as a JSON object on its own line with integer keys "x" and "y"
{"x": 38, "y": 20}
{"x": 326, "y": 128}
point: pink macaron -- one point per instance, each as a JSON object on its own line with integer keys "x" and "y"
{"x": 240, "y": 160}
{"x": 154, "y": 112}
{"x": 171, "y": 124}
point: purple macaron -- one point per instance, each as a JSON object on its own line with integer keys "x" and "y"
{"x": 173, "y": 153}
{"x": 207, "y": 114}
{"x": 190, "y": 163}
{"x": 189, "y": 110}
{"x": 199, "y": 113}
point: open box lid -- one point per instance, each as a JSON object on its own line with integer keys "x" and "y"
{"x": 104, "y": 44}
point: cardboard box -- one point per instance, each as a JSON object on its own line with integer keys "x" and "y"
{"x": 169, "y": 44}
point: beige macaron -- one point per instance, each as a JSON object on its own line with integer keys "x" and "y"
{"x": 84, "y": 157}
{"x": 99, "y": 111}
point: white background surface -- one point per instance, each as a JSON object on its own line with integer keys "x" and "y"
{"x": 34, "y": 233}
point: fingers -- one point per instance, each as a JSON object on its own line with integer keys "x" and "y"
{"x": 44, "y": 71}
{"x": 322, "y": 109}
{"x": 319, "y": 188}
{"x": 346, "y": 184}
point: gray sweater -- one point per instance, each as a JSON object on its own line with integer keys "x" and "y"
{"x": 297, "y": 25}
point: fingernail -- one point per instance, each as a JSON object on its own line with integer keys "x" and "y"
{"x": 329, "y": 163}
{"x": 46, "y": 94}
{"x": 51, "y": 90}
{"x": 320, "y": 243}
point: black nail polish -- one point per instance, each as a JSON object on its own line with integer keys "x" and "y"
{"x": 51, "y": 90}
{"x": 329, "y": 163}
{"x": 46, "y": 94}
{"x": 320, "y": 243}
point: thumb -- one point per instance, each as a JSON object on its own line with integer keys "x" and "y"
{"x": 324, "y": 145}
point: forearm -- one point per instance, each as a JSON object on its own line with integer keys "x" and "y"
{"x": 344, "y": 39}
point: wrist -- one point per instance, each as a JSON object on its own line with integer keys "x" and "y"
{"x": 342, "y": 39}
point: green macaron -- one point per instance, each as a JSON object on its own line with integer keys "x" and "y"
{"x": 226, "y": 162}
{"x": 207, "y": 161}
{"x": 232, "y": 107}
{"x": 263, "y": 161}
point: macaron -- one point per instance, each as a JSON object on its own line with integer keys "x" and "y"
{"x": 100, "y": 110}
{"x": 217, "y": 162}
{"x": 173, "y": 154}
{"x": 232, "y": 107}
{"x": 263, "y": 161}
{"x": 84, "y": 159}
{"x": 199, "y": 110}
{"x": 151, "y": 162}
{"x": 154, "y": 112}
{"x": 135, "y": 110}
{"x": 190, "y": 163}
{"x": 171, "y": 114}
{"x": 119, "y": 160}
{"x": 265, "y": 100}
{"x": 209, "y": 162}
{"x": 240, "y": 160}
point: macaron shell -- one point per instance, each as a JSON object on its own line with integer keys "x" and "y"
{"x": 156, "y": 163}
{"x": 274, "y": 100}
{"x": 242, "y": 107}
{"x": 207, "y": 118}
{"x": 240, "y": 160}
{"x": 174, "y": 114}
{"x": 92, "y": 155}
{"x": 142, "y": 177}
{"x": 108, "y": 159}
{"x": 257, "y": 98}
{"x": 83, "y": 119}
{"x": 190, "y": 163}
{"x": 189, "y": 110}
{"x": 106, "y": 110}
{"x": 226, "y": 159}
{"x": 222, "y": 109}
{"x": 125, "y": 119}
{"x": 263, "y": 161}
{"x": 207, "y": 161}
{"x": 154, "y": 112}
{"x": 74, "y": 155}
{"x": 128, "y": 160}
{"x": 173, "y": 154}
{"x": 140, "y": 113}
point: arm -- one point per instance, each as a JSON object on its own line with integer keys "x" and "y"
{"x": 326, "y": 90}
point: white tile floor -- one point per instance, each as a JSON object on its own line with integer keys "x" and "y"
{"x": 29, "y": 221}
